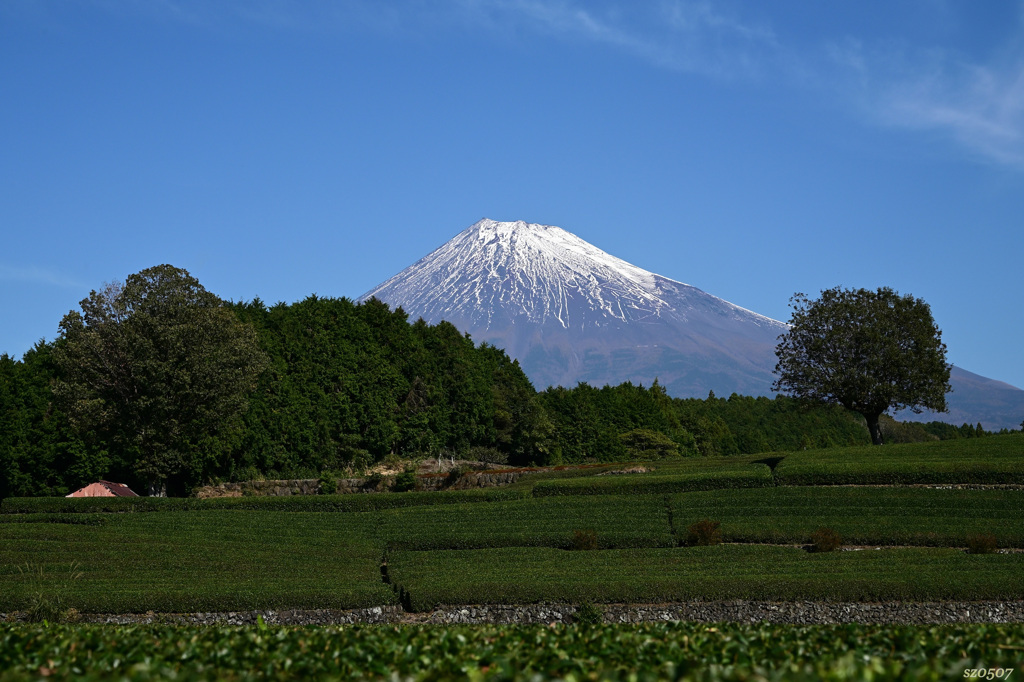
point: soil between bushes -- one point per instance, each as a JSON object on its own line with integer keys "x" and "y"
{"x": 796, "y": 613}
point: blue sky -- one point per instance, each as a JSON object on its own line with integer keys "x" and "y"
{"x": 277, "y": 149}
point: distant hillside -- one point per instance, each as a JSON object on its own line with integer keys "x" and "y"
{"x": 977, "y": 399}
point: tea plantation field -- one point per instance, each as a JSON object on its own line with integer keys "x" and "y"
{"x": 576, "y": 536}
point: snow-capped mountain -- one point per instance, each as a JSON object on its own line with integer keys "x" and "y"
{"x": 570, "y": 312}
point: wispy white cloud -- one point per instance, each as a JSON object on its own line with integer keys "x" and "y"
{"x": 693, "y": 16}
{"x": 979, "y": 107}
{"x": 38, "y": 275}
{"x": 692, "y": 36}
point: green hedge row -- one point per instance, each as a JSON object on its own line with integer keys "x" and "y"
{"x": 724, "y": 572}
{"x": 614, "y": 522}
{"x": 292, "y": 503}
{"x": 861, "y": 515}
{"x": 989, "y": 461}
{"x": 201, "y": 561}
{"x": 75, "y": 519}
{"x": 729, "y": 475}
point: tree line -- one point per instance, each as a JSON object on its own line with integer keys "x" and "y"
{"x": 160, "y": 384}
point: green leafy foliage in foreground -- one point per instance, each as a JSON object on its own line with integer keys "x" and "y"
{"x": 862, "y": 515}
{"x": 723, "y": 572}
{"x": 992, "y": 460}
{"x": 677, "y": 651}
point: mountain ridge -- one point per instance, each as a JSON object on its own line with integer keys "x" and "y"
{"x": 570, "y": 312}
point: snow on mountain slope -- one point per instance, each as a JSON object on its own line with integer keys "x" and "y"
{"x": 494, "y": 271}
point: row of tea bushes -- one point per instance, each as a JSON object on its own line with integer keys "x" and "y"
{"x": 200, "y": 561}
{"x": 724, "y": 572}
{"x": 727, "y": 475}
{"x": 862, "y": 515}
{"x": 996, "y": 460}
{"x": 615, "y": 520}
{"x": 294, "y": 503}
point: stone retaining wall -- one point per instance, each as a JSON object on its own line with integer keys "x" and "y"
{"x": 801, "y": 613}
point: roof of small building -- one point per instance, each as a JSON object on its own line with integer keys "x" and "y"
{"x": 112, "y": 490}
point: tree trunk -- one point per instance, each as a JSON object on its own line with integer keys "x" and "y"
{"x": 874, "y": 429}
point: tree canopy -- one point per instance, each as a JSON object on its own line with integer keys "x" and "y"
{"x": 869, "y": 351}
{"x": 154, "y": 368}
{"x": 346, "y": 385}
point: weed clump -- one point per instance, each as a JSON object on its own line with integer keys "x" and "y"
{"x": 46, "y": 600}
{"x": 457, "y": 473}
{"x": 588, "y": 614}
{"x": 704, "y": 533}
{"x": 328, "y": 484}
{"x": 982, "y": 543}
{"x": 825, "y": 540}
{"x": 584, "y": 539}
{"x": 405, "y": 481}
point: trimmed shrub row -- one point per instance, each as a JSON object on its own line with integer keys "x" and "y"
{"x": 616, "y": 522}
{"x": 293, "y": 503}
{"x": 724, "y": 572}
{"x": 728, "y": 476}
{"x": 195, "y": 562}
{"x": 993, "y": 460}
{"x": 861, "y": 515}
{"x": 988, "y": 461}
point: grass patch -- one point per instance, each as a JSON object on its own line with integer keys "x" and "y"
{"x": 74, "y": 519}
{"x": 244, "y": 553}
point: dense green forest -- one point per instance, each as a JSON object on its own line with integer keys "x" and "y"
{"x": 347, "y": 385}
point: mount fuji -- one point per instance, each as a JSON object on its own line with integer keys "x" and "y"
{"x": 569, "y": 312}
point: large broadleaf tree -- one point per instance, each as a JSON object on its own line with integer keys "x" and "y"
{"x": 156, "y": 368}
{"x": 869, "y": 351}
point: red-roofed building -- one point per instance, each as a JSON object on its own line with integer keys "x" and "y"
{"x": 104, "y": 489}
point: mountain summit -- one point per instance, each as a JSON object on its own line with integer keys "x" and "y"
{"x": 570, "y": 312}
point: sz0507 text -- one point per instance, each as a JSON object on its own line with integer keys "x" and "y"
{"x": 988, "y": 673}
